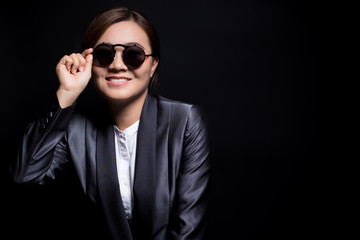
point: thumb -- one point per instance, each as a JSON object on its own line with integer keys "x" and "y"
{"x": 89, "y": 61}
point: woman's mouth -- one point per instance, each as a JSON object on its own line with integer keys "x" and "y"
{"x": 117, "y": 81}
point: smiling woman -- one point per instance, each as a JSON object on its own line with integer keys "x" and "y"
{"x": 119, "y": 82}
{"x": 142, "y": 160}
{"x": 103, "y": 21}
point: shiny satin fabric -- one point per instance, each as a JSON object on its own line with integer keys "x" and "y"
{"x": 171, "y": 171}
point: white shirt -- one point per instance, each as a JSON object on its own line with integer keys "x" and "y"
{"x": 125, "y": 149}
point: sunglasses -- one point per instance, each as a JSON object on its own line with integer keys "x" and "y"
{"x": 133, "y": 56}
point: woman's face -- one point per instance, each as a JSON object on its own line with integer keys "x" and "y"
{"x": 118, "y": 82}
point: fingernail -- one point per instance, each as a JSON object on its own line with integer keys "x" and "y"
{"x": 81, "y": 68}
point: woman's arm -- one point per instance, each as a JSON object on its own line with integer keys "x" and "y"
{"x": 43, "y": 149}
{"x": 188, "y": 215}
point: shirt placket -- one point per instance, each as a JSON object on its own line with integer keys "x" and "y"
{"x": 125, "y": 174}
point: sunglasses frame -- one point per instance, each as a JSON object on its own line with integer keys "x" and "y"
{"x": 112, "y": 46}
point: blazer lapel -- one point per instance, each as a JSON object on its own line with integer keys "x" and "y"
{"x": 145, "y": 171}
{"x": 108, "y": 186}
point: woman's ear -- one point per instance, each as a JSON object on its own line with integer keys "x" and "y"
{"x": 154, "y": 64}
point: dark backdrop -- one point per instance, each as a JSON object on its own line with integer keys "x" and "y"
{"x": 253, "y": 65}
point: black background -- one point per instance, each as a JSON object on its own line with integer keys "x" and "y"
{"x": 255, "y": 66}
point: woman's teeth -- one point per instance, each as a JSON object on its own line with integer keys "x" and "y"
{"x": 118, "y": 80}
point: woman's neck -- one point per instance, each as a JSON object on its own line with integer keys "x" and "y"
{"x": 125, "y": 114}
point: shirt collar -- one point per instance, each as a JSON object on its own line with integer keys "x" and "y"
{"x": 130, "y": 130}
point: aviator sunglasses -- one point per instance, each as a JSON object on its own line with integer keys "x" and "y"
{"x": 133, "y": 56}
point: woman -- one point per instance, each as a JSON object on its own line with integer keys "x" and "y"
{"x": 143, "y": 160}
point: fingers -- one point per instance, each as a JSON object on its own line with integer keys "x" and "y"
{"x": 77, "y": 62}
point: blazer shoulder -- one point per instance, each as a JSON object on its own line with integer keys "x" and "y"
{"x": 192, "y": 110}
{"x": 175, "y": 104}
{"x": 182, "y": 114}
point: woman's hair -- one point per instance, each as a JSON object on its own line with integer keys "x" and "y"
{"x": 118, "y": 14}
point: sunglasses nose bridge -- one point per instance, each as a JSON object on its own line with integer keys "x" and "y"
{"x": 118, "y": 61}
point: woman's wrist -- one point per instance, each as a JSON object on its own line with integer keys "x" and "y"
{"x": 66, "y": 98}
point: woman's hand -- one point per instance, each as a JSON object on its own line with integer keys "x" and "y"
{"x": 74, "y": 73}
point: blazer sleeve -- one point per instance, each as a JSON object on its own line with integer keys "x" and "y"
{"x": 43, "y": 149}
{"x": 188, "y": 214}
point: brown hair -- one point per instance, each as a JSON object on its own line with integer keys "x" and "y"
{"x": 118, "y": 14}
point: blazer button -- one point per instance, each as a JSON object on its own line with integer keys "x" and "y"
{"x": 51, "y": 114}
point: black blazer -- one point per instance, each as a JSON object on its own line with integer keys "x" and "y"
{"x": 171, "y": 171}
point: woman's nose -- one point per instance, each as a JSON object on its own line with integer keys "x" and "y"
{"x": 118, "y": 63}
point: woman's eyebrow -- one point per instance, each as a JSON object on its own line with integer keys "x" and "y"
{"x": 132, "y": 43}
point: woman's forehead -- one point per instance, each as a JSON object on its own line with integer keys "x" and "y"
{"x": 125, "y": 32}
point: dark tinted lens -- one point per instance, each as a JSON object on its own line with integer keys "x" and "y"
{"x": 134, "y": 56}
{"x": 103, "y": 54}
